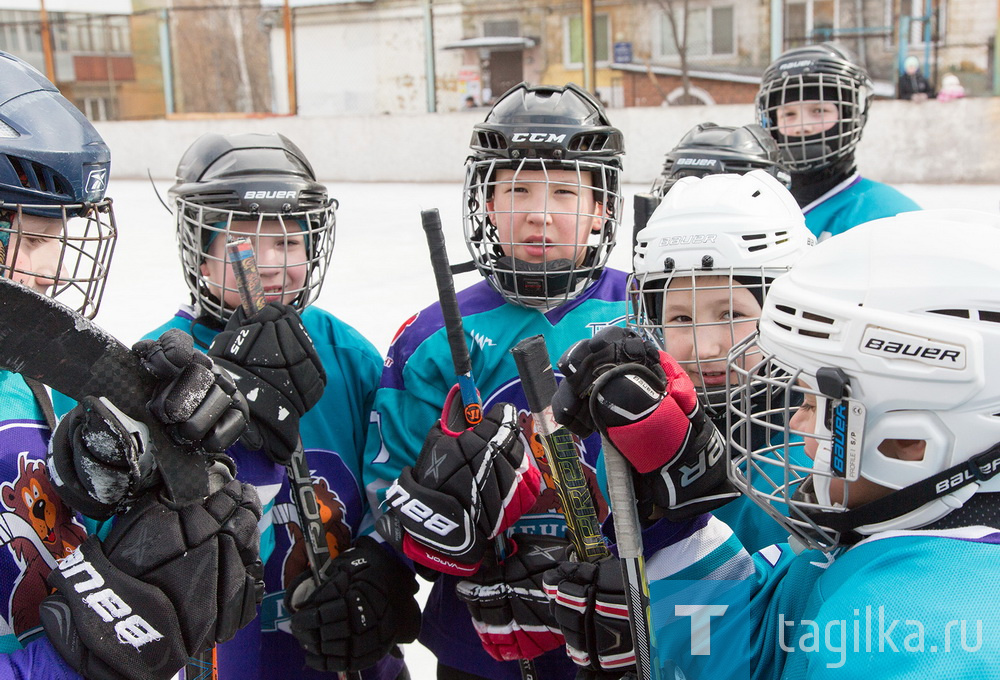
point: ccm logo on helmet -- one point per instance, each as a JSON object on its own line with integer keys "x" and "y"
{"x": 547, "y": 137}
{"x": 290, "y": 193}
{"x": 885, "y": 343}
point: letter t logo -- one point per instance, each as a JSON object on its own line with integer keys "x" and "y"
{"x": 701, "y": 624}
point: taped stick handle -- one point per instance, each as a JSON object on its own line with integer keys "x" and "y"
{"x": 471, "y": 401}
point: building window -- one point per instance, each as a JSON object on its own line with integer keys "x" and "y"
{"x": 809, "y": 21}
{"x": 914, "y": 13}
{"x": 573, "y": 40}
{"x": 711, "y": 32}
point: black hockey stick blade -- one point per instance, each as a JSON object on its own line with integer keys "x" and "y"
{"x": 43, "y": 339}
{"x": 538, "y": 381}
{"x": 643, "y": 206}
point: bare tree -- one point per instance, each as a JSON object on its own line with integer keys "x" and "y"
{"x": 680, "y": 36}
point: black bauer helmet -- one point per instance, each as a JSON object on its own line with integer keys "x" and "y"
{"x": 556, "y": 158}
{"x": 827, "y": 73}
{"x": 246, "y": 185}
{"x": 57, "y": 228}
{"x": 710, "y": 149}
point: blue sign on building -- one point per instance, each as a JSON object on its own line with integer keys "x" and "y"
{"x": 623, "y": 53}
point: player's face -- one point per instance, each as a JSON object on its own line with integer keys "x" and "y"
{"x": 858, "y": 492}
{"x": 805, "y": 118}
{"x": 701, "y": 324}
{"x": 34, "y": 252}
{"x": 544, "y": 215}
{"x": 281, "y": 258}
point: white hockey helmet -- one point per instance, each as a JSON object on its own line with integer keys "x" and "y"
{"x": 742, "y": 231}
{"x": 894, "y": 329}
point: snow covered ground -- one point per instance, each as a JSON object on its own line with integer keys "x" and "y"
{"x": 380, "y": 273}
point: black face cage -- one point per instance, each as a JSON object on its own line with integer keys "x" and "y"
{"x": 817, "y": 151}
{"x": 551, "y": 282}
{"x": 699, "y": 336}
{"x": 768, "y": 460}
{"x": 198, "y": 228}
{"x": 70, "y": 263}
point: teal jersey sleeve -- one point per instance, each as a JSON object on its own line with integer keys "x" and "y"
{"x": 859, "y": 201}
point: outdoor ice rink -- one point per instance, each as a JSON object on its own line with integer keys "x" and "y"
{"x": 380, "y": 274}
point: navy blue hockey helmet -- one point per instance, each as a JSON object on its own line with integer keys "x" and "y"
{"x": 53, "y": 177}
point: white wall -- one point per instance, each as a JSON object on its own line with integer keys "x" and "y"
{"x": 932, "y": 142}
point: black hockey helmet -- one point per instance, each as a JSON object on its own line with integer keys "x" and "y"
{"x": 255, "y": 178}
{"x": 543, "y": 128}
{"x": 825, "y": 72}
{"x": 53, "y": 177}
{"x": 710, "y": 149}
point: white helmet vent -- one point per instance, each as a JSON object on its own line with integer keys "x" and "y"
{"x": 806, "y": 323}
{"x": 971, "y": 314}
{"x": 765, "y": 241}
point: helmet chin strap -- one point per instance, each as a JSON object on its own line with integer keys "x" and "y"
{"x": 975, "y": 470}
{"x": 543, "y": 280}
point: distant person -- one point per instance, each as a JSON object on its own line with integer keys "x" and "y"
{"x": 814, "y": 101}
{"x": 912, "y": 83}
{"x": 951, "y": 88}
{"x": 470, "y": 102}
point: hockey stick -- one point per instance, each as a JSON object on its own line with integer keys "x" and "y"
{"x": 471, "y": 401}
{"x": 43, "y": 339}
{"x": 241, "y": 256}
{"x": 628, "y": 535}
{"x": 539, "y": 383}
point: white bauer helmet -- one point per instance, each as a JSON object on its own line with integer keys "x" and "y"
{"x": 742, "y": 231}
{"x": 894, "y": 329}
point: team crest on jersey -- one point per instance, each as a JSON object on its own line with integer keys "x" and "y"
{"x": 40, "y": 530}
{"x": 338, "y": 534}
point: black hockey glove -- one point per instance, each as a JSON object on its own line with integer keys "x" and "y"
{"x": 166, "y": 583}
{"x": 100, "y": 460}
{"x": 588, "y": 603}
{"x": 363, "y": 609}
{"x": 276, "y": 366}
{"x": 466, "y": 488}
{"x": 508, "y": 604}
{"x": 653, "y": 417}
{"x": 587, "y": 360}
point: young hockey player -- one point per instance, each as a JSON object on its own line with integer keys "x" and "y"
{"x": 701, "y": 271}
{"x": 710, "y": 149}
{"x": 322, "y": 376}
{"x": 886, "y": 339}
{"x": 542, "y": 210}
{"x": 112, "y": 608}
{"x": 814, "y": 100}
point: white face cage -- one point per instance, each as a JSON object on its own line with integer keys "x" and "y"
{"x": 63, "y": 252}
{"x": 806, "y": 150}
{"x": 541, "y": 231}
{"x": 697, "y": 316}
{"x": 795, "y": 442}
{"x": 202, "y": 233}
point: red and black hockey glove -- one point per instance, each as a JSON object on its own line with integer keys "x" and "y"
{"x": 364, "y": 607}
{"x": 507, "y": 601}
{"x": 276, "y": 366}
{"x": 166, "y": 583}
{"x": 584, "y": 362}
{"x": 589, "y": 606}
{"x": 466, "y": 488}
{"x": 654, "y": 418}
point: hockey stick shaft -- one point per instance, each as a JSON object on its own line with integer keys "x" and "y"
{"x": 628, "y": 535}
{"x": 244, "y": 264}
{"x": 538, "y": 381}
{"x": 471, "y": 401}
